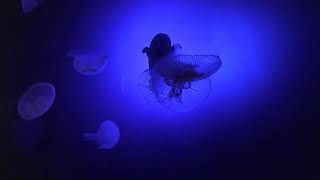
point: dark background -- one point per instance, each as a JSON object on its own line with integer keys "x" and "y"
{"x": 284, "y": 144}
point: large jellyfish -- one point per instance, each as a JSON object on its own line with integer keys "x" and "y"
{"x": 107, "y": 136}
{"x": 36, "y": 101}
{"x": 178, "y": 82}
{"x": 29, "y": 5}
{"x": 88, "y": 63}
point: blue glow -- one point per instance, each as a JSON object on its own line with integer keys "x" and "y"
{"x": 247, "y": 41}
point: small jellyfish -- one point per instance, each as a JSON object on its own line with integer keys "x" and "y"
{"x": 36, "y": 101}
{"x": 29, "y": 5}
{"x": 107, "y": 137}
{"x": 88, "y": 63}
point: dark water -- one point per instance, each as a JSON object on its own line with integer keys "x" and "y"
{"x": 259, "y": 122}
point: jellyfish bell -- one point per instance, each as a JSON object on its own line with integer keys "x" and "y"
{"x": 188, "y": 68}
{"x": 107, "y": 136}
{"x": 88, "y": 63}
{"x": 36, "y": 101}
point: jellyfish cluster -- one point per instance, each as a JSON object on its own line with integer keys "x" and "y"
{"x": 178, "y": 82}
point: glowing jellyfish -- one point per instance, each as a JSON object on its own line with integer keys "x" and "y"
{"x": 107, "y": 136}
{"x": 175, "y": 96}
{"x": 88, "y": 63}
{"x": 36, "y": 101}
{"x": 178, "y": 82}
{"x": 29, "y": 5}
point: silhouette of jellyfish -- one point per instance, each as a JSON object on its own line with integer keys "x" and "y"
{"x": 36, "y": 101}
{"x": 107, "y": 137}
{"x": 178, "y": 82}
{"x": 29, "y": 5}
{"x": 88, "y": 63}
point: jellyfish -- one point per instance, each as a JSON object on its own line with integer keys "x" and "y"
{"x": 107, "y": 137}
{"x": 178, "y": 82}
{"x": 174, "y": 96}
{"x": 36, "y": 101}
{"x": 188, "y": 68}
{"x": 88, "y": 63}
{"x": 29, "y": 5}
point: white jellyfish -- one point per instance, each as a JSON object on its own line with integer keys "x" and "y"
{"x": 36, "y": 101}
{"x": 107, "y": 136}
{"x": 29, "y": 5}
{"x": 88, "y": 63}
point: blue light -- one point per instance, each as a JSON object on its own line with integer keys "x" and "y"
{"x": 246, "y": 40}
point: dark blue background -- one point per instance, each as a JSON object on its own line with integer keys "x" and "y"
{"x": 256, "y": 124}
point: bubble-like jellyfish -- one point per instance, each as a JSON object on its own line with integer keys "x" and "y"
{"x": 107, "y": 136}
{"x": 36, "y": 101}
{"x": 88, "y": 63}
{"x": 29, "y": 5}
{"x": 175, "y": 96}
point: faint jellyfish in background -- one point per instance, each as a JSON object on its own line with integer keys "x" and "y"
{"x": 36, "y": 101}
{"x": 88, "y": 63}
{"x": 28, "y": 135}
{"x": 178, "y": 82}
{"x": 107, "y": 136}
{"x": 29, "y": 5}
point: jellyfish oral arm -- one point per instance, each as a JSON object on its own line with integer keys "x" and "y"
{"x": 89, "y": 137}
